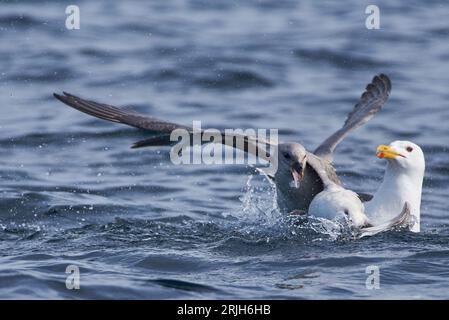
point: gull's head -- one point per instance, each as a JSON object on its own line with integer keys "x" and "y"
{"x": 403, "y": 155}
{"x": 292, "y": 160}
{"x": 402, "y": 181}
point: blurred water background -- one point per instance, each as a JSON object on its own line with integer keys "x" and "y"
{"x": 137, "y": 226}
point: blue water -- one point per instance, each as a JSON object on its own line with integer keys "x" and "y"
{"x": 72, "y": 192}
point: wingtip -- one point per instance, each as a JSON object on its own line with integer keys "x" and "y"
{"x": 58, "y": 96}
{"x": 406, "y": 206}
{"x": 62, "y": 96}
{"x": 386, "y": 80}
{"x": 381, "y": 80}
{"x": 139, "y": 144}
{"x": 67, "y": 94}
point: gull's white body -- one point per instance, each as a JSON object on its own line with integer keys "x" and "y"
{"x": 402, "y": 183}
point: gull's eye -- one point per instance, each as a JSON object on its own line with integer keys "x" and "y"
{"x": 287, "y": 155}
{"x": 409, "y": 149}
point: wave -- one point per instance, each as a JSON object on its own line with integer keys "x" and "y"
{"x": 19, "y": 21}
{"x": 338, "y": 59}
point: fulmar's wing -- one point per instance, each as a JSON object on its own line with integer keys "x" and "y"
{"x": 161, "y": 128}
{"x": 114, "y": 114}
{"x": 250, "y": 144}
{"x": 371, "y": 101}
{"x": 324, "y": 170}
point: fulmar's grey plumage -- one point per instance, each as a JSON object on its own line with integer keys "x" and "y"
{"x": 161, "y": 128}
{"x": 299, "y": 198}
{"x": 114, "y": 114}
{"x": 294, "y": 162}
{"x": 371, "y": 101}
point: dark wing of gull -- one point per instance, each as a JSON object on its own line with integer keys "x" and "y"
{"x": 371, "y": 101}
{"x": 161, "y": 128}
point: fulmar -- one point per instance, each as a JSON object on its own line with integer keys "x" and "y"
{"x": 296, "y": 178}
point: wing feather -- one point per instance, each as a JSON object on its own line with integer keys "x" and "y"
{"x": 375, "y": 96}
{"x": 114, "y": 114}
{"x": 163, "y": 129}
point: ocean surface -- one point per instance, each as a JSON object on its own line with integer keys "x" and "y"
{"x": 73, "y": 193}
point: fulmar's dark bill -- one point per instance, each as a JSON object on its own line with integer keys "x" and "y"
{"x": 296, "y": 178}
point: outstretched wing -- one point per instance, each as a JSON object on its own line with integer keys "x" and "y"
{"x": 371, "y": 101}
{"x": 161, "y": 128}
{"x": 114, "y": 114}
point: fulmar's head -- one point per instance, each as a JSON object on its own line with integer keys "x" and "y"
{"x": 404, "y": 156}
{"x": 292, "y": 161}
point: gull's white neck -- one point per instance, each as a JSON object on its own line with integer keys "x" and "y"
{"x": 398, "y": 186}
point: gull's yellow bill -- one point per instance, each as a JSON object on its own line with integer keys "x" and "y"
{"x": 387, "y": 152}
